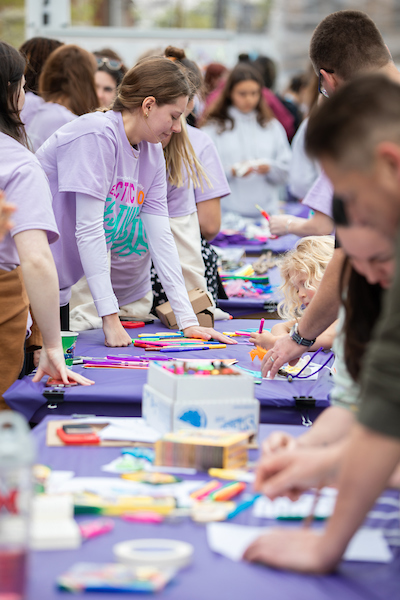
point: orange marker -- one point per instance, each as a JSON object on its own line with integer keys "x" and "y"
{"x": 211, "y": 486}
{"x": 228, "y": 491}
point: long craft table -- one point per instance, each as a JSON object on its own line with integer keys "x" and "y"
{"x": 210, "y": 576}
{"x": 119, "y": 392}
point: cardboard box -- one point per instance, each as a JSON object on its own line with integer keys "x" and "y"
{"x": 168, "y": 415}
{"x": 201, "y": 304}
{"x": 203, "y": 449}
{"x": 189, "y": 388}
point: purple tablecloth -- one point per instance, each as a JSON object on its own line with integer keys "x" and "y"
{"x": 119, "y": 392}
{"x": 210, "y": 577}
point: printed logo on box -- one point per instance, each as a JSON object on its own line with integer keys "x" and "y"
{"x": 241, "y": 423}
{"x": 197, "y": 417}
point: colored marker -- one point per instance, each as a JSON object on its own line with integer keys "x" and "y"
{"x": 243, "y": 506}
{"x": 184, "y": 349}
{"x": 266, "y": 216}
{"x": 260, "y": 330}
{"x": 204, "y": 491}
{"x": 228, "y": 491}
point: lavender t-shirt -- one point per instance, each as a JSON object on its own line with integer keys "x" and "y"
{"x": 320, "y": 196}
{"x": 93, "y": 156}
{"x": 48, "y": 118}
{"x": 31, "y": 106}
{"x": 182, "y": 200}
{"x": 25, "y": 185}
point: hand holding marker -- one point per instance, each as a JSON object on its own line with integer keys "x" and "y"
{"x": 266, "y": 216}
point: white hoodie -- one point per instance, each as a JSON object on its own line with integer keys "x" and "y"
{"x": 250, "y": 141}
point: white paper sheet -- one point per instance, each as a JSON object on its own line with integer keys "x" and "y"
{"x": 134, "y": 431}
{"x": 367, "y": 545}
{"x": 265, "y": 508}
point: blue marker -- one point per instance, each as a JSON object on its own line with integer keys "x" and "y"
{"x": 243, "y": 506}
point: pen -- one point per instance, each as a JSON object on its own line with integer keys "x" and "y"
{"x": 260, "y": 330}
{"x": 308, "y": 520}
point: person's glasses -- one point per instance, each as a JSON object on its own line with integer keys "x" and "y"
{"x": 321, "y": 88}
{"x": 112, "y": 64}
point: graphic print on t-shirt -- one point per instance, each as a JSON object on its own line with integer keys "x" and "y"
{"x": 122, "y": 224}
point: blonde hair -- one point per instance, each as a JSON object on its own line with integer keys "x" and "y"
{"x": 179, "y": 154}
{"x": 310, "y": 258}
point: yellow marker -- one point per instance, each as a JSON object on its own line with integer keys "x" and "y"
{"x": 232, "y": 474}
{"x": 217, "y": 346}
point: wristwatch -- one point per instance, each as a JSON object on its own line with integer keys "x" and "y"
{"x": 296, "y": 337}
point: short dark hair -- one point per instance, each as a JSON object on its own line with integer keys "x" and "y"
{"x": 348, "y": 42}
{"x": 349, "y": 125}
{"x": 36, "y": 50}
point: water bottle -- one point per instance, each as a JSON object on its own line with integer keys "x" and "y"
{"x": 16, "y": 460}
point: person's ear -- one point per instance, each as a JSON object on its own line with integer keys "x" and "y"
{"x": 332, "y": 81}
{"x": 387, "y": 156}
{"x": 147, "y": 104}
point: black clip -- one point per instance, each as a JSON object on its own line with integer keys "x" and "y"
{"x": 54, "y": 397}
{"x": 302, "y": 401}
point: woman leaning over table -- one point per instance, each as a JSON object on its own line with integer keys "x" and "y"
{"x": 25, "y": 256}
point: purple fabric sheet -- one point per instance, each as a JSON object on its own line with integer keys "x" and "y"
{"x": 210, "y": 576}
{"x": 279, "y": 245}
{"x": 120, "y": 392}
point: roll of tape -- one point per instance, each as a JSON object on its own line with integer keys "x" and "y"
{"x": 154, "y": 552}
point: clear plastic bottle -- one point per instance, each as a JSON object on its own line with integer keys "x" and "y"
{"x": 16, "y": 460}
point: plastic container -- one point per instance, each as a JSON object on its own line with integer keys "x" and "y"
{"x": 16, "y": 460}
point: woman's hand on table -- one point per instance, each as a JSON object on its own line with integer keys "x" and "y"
{"x": 300, "y": 550}
{"x": 285, "y": 350}
{"x": 265, "y": 340}
{"x": 52, "y": 362}
{"x": 114, "y": 333}
{"x": 206, "y": 333}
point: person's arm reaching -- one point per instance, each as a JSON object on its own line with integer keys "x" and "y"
{"x": 320, "y": 314}
{"x": 332, "y": 425}
{"x": 318, "y": 224}
{"x": 41, "y": 281}
{"x": 370, "y": 458}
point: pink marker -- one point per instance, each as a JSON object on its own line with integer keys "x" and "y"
{"x": 260, "y": 329}
{"x": 143, "y": 516}
{"x": 243, "y": 333}
{"x": 91, "y": 529}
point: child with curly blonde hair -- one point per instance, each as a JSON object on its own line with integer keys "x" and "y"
{"x": 302, "y": 270}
